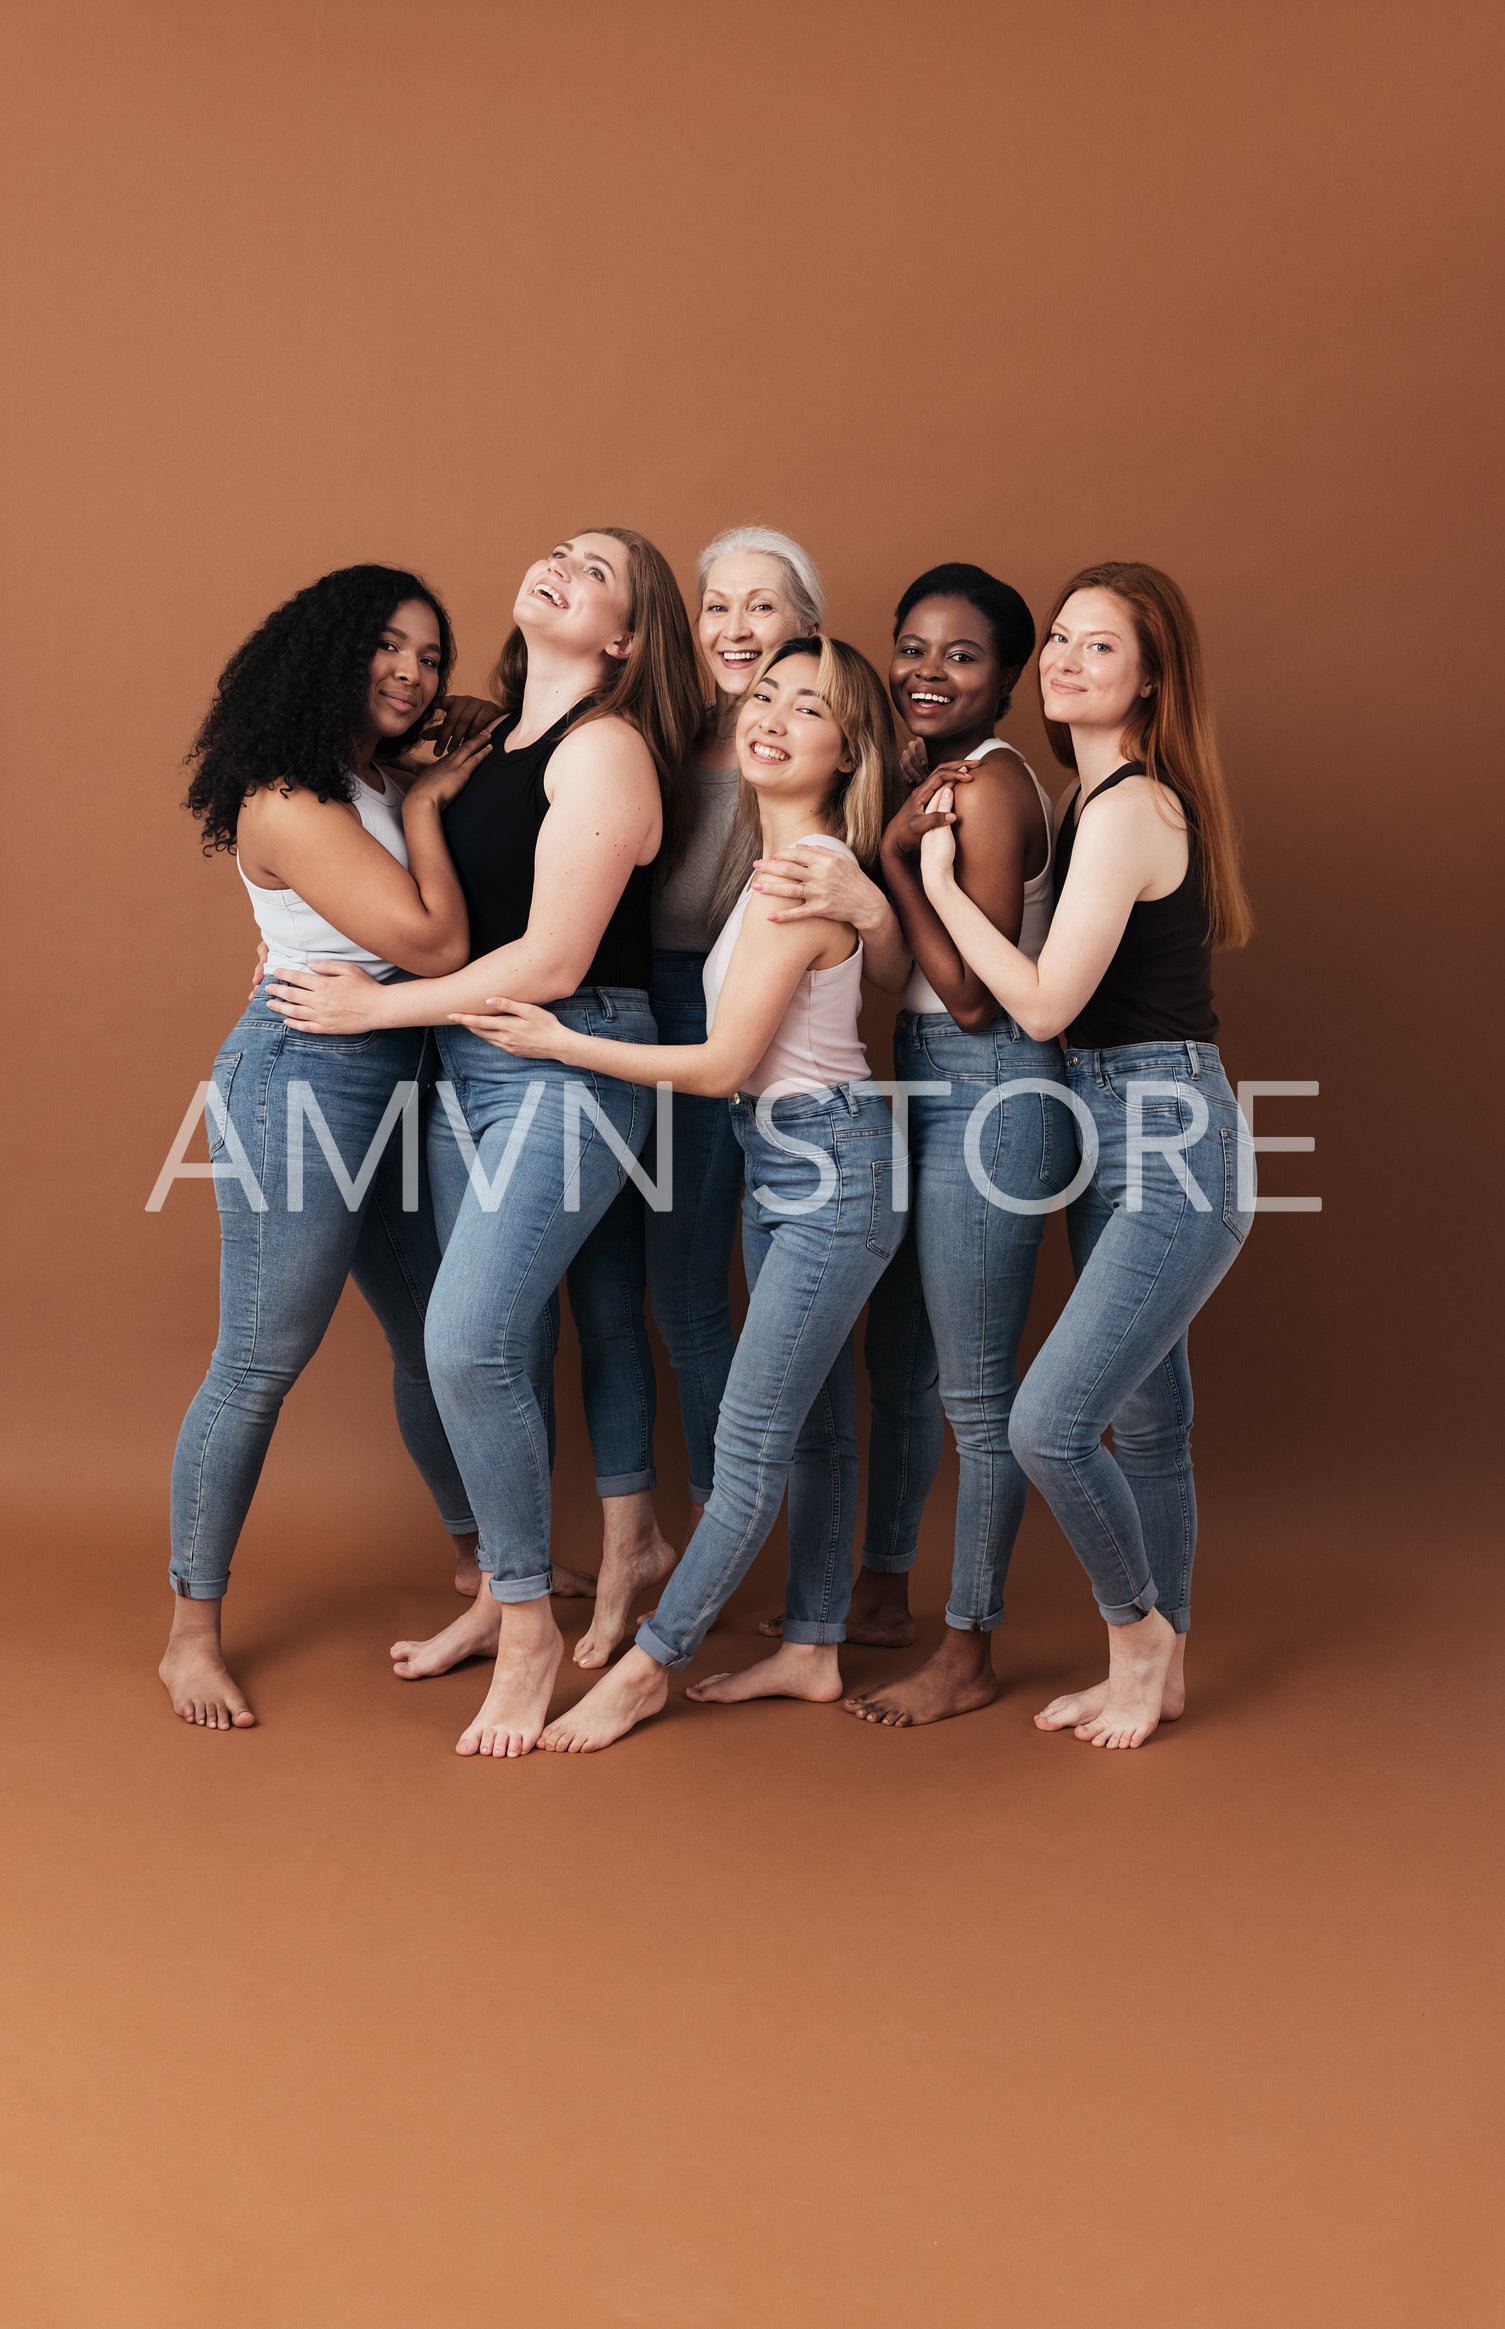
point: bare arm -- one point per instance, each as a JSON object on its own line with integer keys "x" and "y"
{"x": 998, "y": 825}
{"x": 1124, "y": 850}
{"x": 768, "y": 962}
{"x": 414, "y": 917}
{"x": 604, "y": 818}
{"x": 809, "y": 883}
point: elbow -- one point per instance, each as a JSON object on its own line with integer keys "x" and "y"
{"x": 432, "y": 960}
{"x": 974, "y": 1018}
{"x": 1040, "y": 1026}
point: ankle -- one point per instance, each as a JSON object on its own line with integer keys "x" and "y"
{"x": 195, "y": 1621}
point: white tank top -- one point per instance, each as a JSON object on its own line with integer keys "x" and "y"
{"x": 919, "y": 994}
{"x": 295, "y": 934}
{"x": 816, "y": 1045}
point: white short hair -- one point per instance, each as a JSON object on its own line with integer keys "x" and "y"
{"x": 805, "y": 587}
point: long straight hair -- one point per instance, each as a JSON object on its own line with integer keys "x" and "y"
{"x": 1171, "y": 730}
{"x": 863, "y": 800}
{"x": 656, "y": 687}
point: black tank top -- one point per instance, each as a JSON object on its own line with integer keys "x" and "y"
{"x": 492, "y": 831}
{"x": 1158, "y": 987}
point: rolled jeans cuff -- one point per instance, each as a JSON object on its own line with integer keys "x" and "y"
{"x": 1129, "y": 1612}
{"x": 809, "y": 1629}
{"x": 200, "y": 1589}
{"x": 465, "y": 1527}
{"x": 1179, "y": 1620}
{"x": 890, "y": 1564}
{"x": 535, "y": 1588}
{"x": 700, "y": 1496}
{"x": 625, "y": 1483}
{"x": 967, "y": 1623}
{"x": 657, "y": 1648}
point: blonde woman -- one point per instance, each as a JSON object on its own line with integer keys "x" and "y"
{"x": 817, "y": 761}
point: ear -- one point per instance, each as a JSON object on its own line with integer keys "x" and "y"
{"x": 621, "y": 647}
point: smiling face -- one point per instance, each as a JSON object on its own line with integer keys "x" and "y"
{"x": 746, "y": 608}
{"x": 1091, "y": 670}
{"x": 577, "y": 599}
{"x": 945, "y": 675}
{"x": 404, "y": 670}
{"x": 788, "y": 741}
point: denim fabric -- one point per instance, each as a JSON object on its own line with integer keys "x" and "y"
{"x": 606, "y": 1282}
{"x": 818, "y": 1228}
{"x": 906, "y": 1429}
{"x": 689, "y": 1249}
{"x": 282, "y": 1272}
{"x": 977, "y": 1260}
{"x": 1151, "y": 1235}
{"x": 505, "y": 1253}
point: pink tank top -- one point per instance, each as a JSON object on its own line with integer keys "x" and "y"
{"x": 816, "y": 1045}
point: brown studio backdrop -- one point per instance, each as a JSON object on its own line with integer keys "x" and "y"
{"x": 300, "y": 287}
{"x": 291, "y": 286}
{"x": 291, "y": 308}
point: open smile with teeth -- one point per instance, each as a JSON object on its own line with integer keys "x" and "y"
{"x": 928, "y": 699}
{"x": 738, "y": 655}
{"x": 769, "y": 752}
{"x": 546, "y": 590}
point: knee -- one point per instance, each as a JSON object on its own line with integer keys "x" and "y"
{"x": 1034, "y": 1440}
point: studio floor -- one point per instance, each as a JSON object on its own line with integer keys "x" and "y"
{"x": 763, "y": 2017}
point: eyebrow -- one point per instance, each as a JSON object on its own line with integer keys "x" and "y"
{"x": 961, "y": 641}
{"x": 597, "y": 557}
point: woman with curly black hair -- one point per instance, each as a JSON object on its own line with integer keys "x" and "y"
{"x": 342, "y": 864}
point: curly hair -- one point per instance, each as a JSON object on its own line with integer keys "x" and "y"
{"x": 289, "y": 703}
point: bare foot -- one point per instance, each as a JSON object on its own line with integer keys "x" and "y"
{"x": 635, "y": 1554}
{"x": 1139, "y": 1663}
{"x": 200, "y": 1685}
{"x": 1080, "y": 1707}
{"x": 797, "y": 1670}
{"x": 473, "y": 1634}
{"x": 628, "y": 1695}
{"x": 515, "y": 1708}
{"x": 957, "y": 1678}
{"x": 571, "y": 1584}
{"x": 879, "y": 1617}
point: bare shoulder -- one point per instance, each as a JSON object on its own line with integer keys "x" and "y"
{"x": 610, "y": 745}
{"x": 1001, "y": 791}
{"x": 279, "y": 808}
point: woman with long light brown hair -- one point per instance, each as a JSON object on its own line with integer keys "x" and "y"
{"x": 554, "y": 852}
{"x": 1148, "y": 884}
{"x": 818, "y": 764}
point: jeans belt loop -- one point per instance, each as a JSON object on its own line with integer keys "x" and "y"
{"x": 604, "y": 1004}
{"x": 1195, "y": 1058}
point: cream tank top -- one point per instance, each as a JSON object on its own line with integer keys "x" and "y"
{"x": 1039, "y": 899}
{"x": 295, "y": 933}
{"x": 816, "y": 1045}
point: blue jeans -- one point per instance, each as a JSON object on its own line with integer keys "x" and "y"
{"x": 818, "y": 1227}
{"x": 515, "y": 1218}
{"x": 1161, "y": 1220}
{"x": 907, "y": 1431}
{"x": 977, "y": 1260}
{"x": 282, "y": 1271}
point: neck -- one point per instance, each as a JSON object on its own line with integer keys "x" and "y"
{"x": 785, "y": 822}
{"x": 724, "y": 731}
{"x": 1098, "y": 752}
{"x": 943, "y": 748}
{"x": 362, "y": 754}
{"x": 554, "y": 685}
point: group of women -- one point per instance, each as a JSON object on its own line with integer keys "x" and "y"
{"x": 600, "y": 903}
